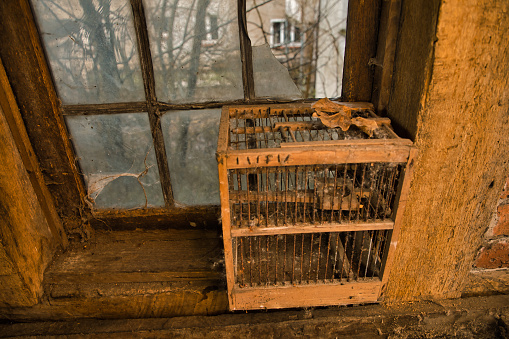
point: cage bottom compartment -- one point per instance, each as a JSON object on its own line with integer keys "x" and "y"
{"x": 306, "y": 259}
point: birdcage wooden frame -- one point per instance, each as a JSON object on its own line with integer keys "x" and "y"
{"x": 261, "y": 149}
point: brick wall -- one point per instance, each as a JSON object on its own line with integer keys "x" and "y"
{"x": 494, "y": 254}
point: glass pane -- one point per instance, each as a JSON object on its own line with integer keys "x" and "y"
{"x": 116, "y": 155}
{"x": 195, "y": 49}
{"x": 270, "y": 77}
{"x": 307, "y": 37}
{"x": 91, "y": 47}
{"x": 191, "y": 143}
{"x": 331, "y": 48}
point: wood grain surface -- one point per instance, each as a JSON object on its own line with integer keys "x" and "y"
{"x": 460, "y": 122}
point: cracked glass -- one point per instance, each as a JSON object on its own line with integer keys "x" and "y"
{"x": 116, "y": 156}
{"x": 271, "y": 78}
{"x": 191, "y": 142}
{"x": 307, "y": 38}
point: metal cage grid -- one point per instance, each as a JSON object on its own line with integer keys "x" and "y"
{"x": 309, "y": 213}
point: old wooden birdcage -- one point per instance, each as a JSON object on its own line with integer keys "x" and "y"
{"x": 310, "y": 213}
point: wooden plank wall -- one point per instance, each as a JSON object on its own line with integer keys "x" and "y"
{"x": 451, "y": 92}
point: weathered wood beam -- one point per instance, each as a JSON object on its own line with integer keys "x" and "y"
{"x": 360, "y": 50}
{"x": 202, "y": 217}
{"x": 386, "y": 49}
{"x": 27, "y": 243}
{"x": 460, "y": 104}
{"x": 28, "y": 74}
{"x": 20, "y": 137}
{"x": 413, "y": 64}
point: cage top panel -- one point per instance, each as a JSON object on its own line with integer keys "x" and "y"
{"x": 274, "y": 126}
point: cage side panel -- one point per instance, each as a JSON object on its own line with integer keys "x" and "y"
{"x": 353, "y": 105}
{"x": 305, "y": 296}
{"x": 293, "y": 156}
{"x": 268, "y": 127}
{"x": 225, "y": 218}
{"x": 399, "y": 209}
{"x": 223, "y": 137}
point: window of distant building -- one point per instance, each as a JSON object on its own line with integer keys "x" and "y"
{"x": 284, "y": 33}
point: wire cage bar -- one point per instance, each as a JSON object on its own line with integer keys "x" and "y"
{"x": 308, "y": 211}
{"x": 308, "y": 258}
{"x": 317, "y": 194}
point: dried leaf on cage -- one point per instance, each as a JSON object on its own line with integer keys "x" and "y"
{"x": 327, "y": 106}
{"x": 334, "y": 121}
{"x": 340, "y": 117}
{"x": 366, "y": 125}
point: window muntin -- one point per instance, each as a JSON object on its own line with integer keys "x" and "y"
{"x": 284, "y": 34}
{"x": 278, "y": 29}
{"x": 212, "y": 27}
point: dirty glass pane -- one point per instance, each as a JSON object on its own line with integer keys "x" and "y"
{"x": 195, "y": 49}
{"x": 92, "y": 51}
{"x": 307, "y": 37}
{"x": 191, "y": 143}
{"x": 116, "y": 156}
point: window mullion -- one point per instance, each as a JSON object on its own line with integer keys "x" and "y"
{"x": 154, "y": 114}
{"x": 245, "y": 52}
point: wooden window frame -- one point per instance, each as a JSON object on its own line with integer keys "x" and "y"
{"x": 29, "y": 74}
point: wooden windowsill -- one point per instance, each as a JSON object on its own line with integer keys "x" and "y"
{"x": 133, "y": 274}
